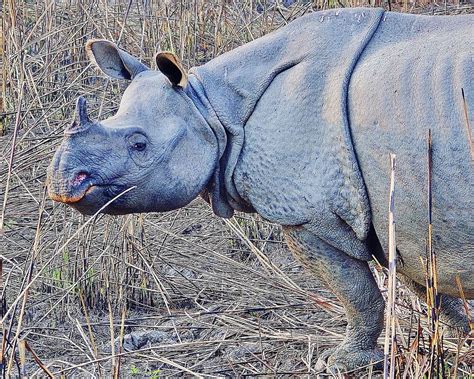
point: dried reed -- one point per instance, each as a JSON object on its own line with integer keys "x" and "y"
{"x": 390, "y": 331}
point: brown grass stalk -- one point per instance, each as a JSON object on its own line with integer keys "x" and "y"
{"x": 432, "y": 281}
{"x": 12, "y": 155}
{"x": 390, "y": 329}
{"x": 89, "y": 329}
{"x": 38, "y": 361}
{"x": 468, "y": 126}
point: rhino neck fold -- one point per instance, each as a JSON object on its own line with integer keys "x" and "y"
{"x": 223, "y": 195}
{"x": 328, "y": 46}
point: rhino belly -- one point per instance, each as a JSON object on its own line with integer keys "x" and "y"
{"x": 397, "y": 93}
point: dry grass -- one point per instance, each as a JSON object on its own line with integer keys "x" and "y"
{"x": 227, "y": 297}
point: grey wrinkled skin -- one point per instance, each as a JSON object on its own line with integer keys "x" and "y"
{"x": 298, "y": 126}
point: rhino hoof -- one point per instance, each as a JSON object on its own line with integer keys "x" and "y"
{"x": 345, "y": 358}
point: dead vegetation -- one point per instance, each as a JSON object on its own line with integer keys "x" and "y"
{"x": 223, "y": 298}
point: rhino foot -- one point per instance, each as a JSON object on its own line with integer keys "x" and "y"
{"x": 346, "y": 358}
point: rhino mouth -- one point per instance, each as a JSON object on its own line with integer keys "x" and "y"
{"x": 70, "y": 199}
{"x": 90, "y": 197}
{"x": 71, "y": 191}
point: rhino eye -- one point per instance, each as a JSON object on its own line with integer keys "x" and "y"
{"x": 137, "y": 142}
{"x": 139, "y": 146}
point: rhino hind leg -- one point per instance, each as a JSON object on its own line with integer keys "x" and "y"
{"x": 353, "y": 284}
{"x": 452, "y": 311}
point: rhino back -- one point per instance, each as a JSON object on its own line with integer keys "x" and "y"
{"x": 408, "y": 81}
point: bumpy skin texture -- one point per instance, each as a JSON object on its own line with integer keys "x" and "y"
{"x": 297, "y": 126}
{"x": 360, "y": 297}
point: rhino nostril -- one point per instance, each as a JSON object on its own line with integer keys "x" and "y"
{"x": 79, "y": 178}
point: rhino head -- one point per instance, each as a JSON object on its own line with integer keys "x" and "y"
{"x": 157, "y": 142}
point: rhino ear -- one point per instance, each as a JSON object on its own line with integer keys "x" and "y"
{"x": 113, "y": 61}
{"x": 169, "y": 64}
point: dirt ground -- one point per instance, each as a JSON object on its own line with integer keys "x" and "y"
{"x": 217, "y": 298}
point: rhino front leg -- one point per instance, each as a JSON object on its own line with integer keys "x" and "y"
{"x": 352, "y": 282}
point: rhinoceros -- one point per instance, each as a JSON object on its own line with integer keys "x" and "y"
{"x": 297, "y": 126}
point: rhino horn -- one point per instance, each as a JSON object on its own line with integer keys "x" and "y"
{"x": 81, "y": 120}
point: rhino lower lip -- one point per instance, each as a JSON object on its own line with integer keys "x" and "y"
{"x": 68, "y": 199}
